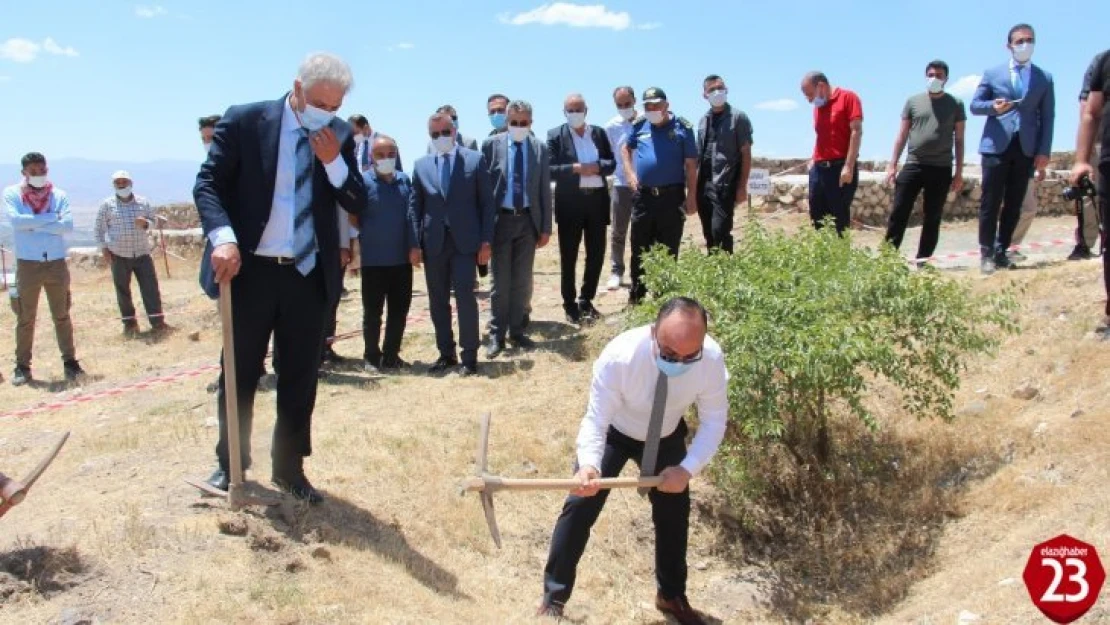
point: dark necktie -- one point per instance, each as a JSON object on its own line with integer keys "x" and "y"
{"x": 655, "y": 429}
{"x": 518, "y": 176}
{"x": 366, "y": 154}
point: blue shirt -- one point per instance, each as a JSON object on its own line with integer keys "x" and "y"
{"x": 659, "y": 153}
{"x": 38, "y": 237}
{"x": 511, "y": 151}
{"x": 384, "y": 234}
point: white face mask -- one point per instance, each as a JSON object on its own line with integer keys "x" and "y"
{"x": 123, "y": 193}
{"x": 360, "y": 139}
{"x": 1023, "y": 52}
{"x": 443, "y": 145}
{"x": 576, "y": 120}
{"x": 654, "y": 117}
{"x": 518, "y": 133}
{"x": 386, "y": 166}
{"x": 934, "y": 85}
{"x": 718, "y": 97}
{"x": 627, "y": 114}
{"x": 37, "y": 182}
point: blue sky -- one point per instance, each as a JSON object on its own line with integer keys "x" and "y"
{"x": 112, "y": 80}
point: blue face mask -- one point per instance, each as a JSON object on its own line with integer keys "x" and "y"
{"x": 819, "y": 102}
{"x": 498, "y": 120}
{"x": 673, "y": 369}
{"x": 314, "y": 119}
{"x": 455, "y": 124}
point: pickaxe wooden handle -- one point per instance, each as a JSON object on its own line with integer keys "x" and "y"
{"x": 13, "y": 492}
{"x": 492, "y": 483}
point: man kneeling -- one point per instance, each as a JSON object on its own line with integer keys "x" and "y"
{"x": 643, "y": 382}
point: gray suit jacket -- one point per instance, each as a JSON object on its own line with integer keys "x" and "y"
{"x": 538, "y": 184}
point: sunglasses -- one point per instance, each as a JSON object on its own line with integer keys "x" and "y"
{"x": 575, "y": 110}
{"x": 674, "y": 358}
{"x": 520, "y": 124}
{"x": 1018, "y": 42}
{"x": 450, "y": 132}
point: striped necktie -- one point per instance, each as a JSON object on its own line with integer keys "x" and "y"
{"x": 304, "y": 235}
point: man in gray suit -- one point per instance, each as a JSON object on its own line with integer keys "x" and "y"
{"x": 518, "y": 169}
{"x": 451, "y": 212}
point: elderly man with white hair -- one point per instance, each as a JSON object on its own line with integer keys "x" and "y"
{"x": 122, "y": 226}
{"x": 266, "y": 197}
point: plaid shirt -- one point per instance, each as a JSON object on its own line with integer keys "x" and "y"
{"x": 116, "y": 229}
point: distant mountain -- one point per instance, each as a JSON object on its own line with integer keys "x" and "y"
{"x": 88, "y": 182}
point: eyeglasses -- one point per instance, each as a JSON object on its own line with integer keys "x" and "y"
{"x": 672, "y": 357}
{"x": 575, "y": 110}
{"x": 520, "y": 124}
{"x": 454, "y": 118}
{"x": 450, "y": 132}
{"x": 1024, "y": 40}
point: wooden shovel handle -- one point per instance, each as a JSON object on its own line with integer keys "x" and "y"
{"x": 11, "y": 491}
{"x": 493, "y": 483}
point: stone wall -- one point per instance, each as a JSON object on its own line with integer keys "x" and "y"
{"x": 873, "y": 199}
{"x": 179, "y": 216}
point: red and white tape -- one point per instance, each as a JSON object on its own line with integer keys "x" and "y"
{"x": 1013, "y": 248}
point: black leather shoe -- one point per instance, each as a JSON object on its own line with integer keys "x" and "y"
{"x": 522, "y": 342}
{"x": 21, "y": 376}
{"x": 574, "y": 314}
{"x": 300, "y": 489}
{"x": 73, "y": 370}
{"x": 526, "y": 321}
{"x": 443, "y": 364}
{"x": 220, "y": 480}
{"x": 588, "y": 311}
{"x": 393, "y": 363}
{"x": 468, "y": 369}
{"x": 494, "y": 347}
{"x": 1002, "y": 261}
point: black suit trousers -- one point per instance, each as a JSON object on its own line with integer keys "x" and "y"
{"x": 1005, "y": 179}
{"x": 269, "y": 298}
{"x": 581, "y": 215}
{"x": 670, "y": 514}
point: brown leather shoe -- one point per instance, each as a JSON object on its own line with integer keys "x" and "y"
{"x": 680, "y": 609}
{"x": 551, "y": 610}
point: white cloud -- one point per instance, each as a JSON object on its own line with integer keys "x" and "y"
{"x": 404, "y": 45}
{"x": 575, "y": 16}
{"x": 965, "y": 86}
{"x": 19, "y": 50}
{"x": 782, "y": 104}
{"x": 648, "y": 26}
{"x": 148, "y": 12}
{"x": 24, "y": 50}
{"x": 52, "y": 47}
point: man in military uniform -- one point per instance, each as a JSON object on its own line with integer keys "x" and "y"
{"x": 660, "y": 161}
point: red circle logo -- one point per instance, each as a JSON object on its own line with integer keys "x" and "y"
{"x": 1064, "y": 577}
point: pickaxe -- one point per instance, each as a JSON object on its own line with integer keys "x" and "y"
{"x": 236, "y": 495}
{"x": 13, "y": 492}
{"x": 486, "y": 485}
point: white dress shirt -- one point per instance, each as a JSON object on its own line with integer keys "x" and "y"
{"x": 623, "y": 389}
{"x": 277, "y": 237}
{"x": 587, "y": 153}
{"x": 617, "y": 129}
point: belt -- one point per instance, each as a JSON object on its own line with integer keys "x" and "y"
{"x": 513, "y": 211}
{"x": 276, "y": 260}
{"x": 828, "y": 164}
{"x": 592, "y": 190}
{"x": 657, "y": 191}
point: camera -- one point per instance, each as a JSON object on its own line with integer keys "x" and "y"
{"x": 1084, "y": 189}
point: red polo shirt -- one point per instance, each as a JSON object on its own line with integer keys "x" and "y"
{"x": 833, "y": 124}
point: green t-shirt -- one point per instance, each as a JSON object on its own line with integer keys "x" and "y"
{"x": 932, "y": 128}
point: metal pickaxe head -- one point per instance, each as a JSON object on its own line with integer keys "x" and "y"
{"x": 480, "y": 465}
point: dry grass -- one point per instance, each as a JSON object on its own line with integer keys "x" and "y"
{"x": 395, "y": 543}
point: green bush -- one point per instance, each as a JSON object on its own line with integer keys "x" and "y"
{"x": 808, "y": 323}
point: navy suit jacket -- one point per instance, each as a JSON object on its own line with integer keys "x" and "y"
{"x": 1037, "y": 110}
{"x": 235, "y": 187}
{"x": 467, "y": 206}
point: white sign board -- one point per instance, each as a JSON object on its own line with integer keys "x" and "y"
{"x": 759, "y": 182}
